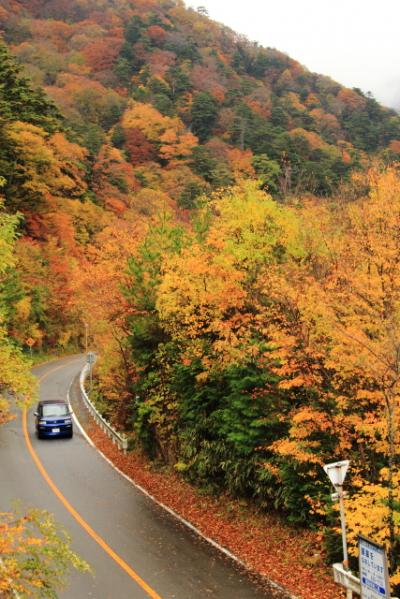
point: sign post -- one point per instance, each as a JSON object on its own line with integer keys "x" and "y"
{"x": 90, "y": 358}
{"x": 374, "y": 577}
{"x": 337, "y": 473}
{"x": 30, "y": 342}
{"x": 86, "y": 336}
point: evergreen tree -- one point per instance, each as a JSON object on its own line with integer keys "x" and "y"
{"x": 20, "y": 101}
{"x": 204, "y": 115}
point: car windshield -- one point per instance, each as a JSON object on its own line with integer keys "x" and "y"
{"x": 54, "y": 409}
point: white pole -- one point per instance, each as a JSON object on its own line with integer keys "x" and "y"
{"x": 86, "y": 336}
{"x": 349, "y": 592}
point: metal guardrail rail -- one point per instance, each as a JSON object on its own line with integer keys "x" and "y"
{"x": 120, "y": 440}
{"x": 348, "y": 580}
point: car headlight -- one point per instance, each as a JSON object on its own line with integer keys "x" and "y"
{"x": 68, "y": 421}
{"x": 42, "y": 421}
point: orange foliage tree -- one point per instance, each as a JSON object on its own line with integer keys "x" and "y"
{"x": 167, "y": 134}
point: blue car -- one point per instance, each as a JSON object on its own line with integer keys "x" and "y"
{"x": 53, "y": 419}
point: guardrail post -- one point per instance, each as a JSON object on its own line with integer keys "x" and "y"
{"x": 117, "y": 439}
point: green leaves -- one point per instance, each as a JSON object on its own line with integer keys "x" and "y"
{"x": 36, "y": 555}
{"x": 204, "y": 114}
{"x": 20, "y": 101}
{"x": 14, "y": 375}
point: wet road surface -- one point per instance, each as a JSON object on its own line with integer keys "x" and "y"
{"x": 173, "y": 561}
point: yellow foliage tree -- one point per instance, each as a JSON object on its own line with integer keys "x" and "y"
{"x": 36, "y": 555}
{"x": 14, "y": 377}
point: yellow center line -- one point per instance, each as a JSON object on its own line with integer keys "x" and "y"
{"x": 99, "y": 540}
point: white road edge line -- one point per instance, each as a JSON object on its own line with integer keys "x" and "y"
{"x": 180, "y": 519}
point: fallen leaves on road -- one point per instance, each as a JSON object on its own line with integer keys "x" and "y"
{"x": 289, "y": 557}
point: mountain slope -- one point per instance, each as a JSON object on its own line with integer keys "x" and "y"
{"x": 242, "y": 340}
{"x": 250, "y": 109}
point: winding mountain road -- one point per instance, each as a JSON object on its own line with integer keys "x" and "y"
{"x": 135, "y": 548}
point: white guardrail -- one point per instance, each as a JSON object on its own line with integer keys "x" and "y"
{"x": 120, "y": 440}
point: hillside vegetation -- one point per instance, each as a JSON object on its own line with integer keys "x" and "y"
{"x": 190, "y": 104}
{"x": 226, "y": 223}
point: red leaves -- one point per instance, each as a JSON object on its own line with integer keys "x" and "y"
{"x": 139, "y": 148}
{"x": 157, "y": 34}
{"x": 101, "y": 54}
{"x": 289, "y": 557}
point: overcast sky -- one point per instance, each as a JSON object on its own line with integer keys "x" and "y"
{"x": 356, "y": 42}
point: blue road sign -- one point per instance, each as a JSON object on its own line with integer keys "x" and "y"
{"x": 374, "y": 576}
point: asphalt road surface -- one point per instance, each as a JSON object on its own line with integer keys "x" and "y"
{"x": 168, "y": 560}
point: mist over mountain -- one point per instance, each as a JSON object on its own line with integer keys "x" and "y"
{"x": 389, "y": 94}
{"x": 334, "y": 39}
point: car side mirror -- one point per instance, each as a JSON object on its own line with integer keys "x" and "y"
{"x": 36, "y": 413}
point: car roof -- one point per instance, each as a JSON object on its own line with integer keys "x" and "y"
{"x": 50, "y": 401}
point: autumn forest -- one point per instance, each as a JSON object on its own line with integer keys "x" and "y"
{"x": 227, "y": 225}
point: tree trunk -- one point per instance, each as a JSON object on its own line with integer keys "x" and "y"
{"x": 390, "y": 399}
